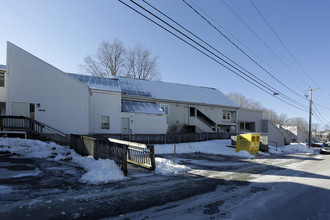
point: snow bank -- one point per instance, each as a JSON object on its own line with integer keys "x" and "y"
{"x": 167, "y": 167}
{"x": 97, "y": 171}
{"x": 291, "y": 149}
{"x": 210, "y": 147}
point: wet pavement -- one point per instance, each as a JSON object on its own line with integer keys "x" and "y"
{"x": 46, "y": 189}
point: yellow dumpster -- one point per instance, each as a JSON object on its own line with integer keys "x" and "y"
{"x": 249, "y": 142}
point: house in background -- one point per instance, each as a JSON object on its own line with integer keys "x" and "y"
{"x": 296, "y": 133}
{"x": 2, "y": 90}
{"x": 250, "y": 120}
{"x": 82, "y": 104}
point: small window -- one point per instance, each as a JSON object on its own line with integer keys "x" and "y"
{"x": 226, "y": 116}
{"x": 241, "y": 126}
{"x": 105, "y": 122}
{"x": 165, "y": 108}
{"x": 2, "y": 79}
{"x": 192, "y": 112}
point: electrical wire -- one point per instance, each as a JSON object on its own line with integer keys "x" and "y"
{"x": 162, "y": 13}
{"x": 286, "y": 48}
{"x": 206, "y": 53}
{"x": 227, "y": 38}
{"x": 264, "y": 43}
{"x": 249, "y": 49}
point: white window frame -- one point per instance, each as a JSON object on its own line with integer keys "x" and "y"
{"x": 105, "y": 123}
{"x": 163, "y": 108}
{"x": 226, "y": 116}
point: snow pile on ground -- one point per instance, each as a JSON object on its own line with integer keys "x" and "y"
{"x": 210, "y": 147}
{"x": 291, "y": 149}
{"x": 98, "y": 171}
{"x": 167, "y": 167}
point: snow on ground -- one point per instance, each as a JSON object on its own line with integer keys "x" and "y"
{"x": 209, "y": 147}
{"x": 167, "y": 167}
{"x": 105, "y": 170}
{"x": 292, "y": 149}
{"x": 97, "y": 171}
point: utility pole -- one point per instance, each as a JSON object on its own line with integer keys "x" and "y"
{"x": 310, "y": 115}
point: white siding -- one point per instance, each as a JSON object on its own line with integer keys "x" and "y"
{"x": 275, "y": 135}
{"x": 250, "y": 115}
{"x": 106, "y": 104}
{"x": 148, "y": 124}
{"x": 63, "y": 100}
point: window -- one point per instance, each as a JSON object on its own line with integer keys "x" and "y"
{"x": 247, "y": 126}
{"x": 2, "y": 79}
{"x": 105, "y": 122}
{"x": 226, "y": 116}
{"x": 192, "y": 112}
{"x": 165, "y": 108}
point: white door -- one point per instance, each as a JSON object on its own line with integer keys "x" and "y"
{"x": 125, "y": 125}
{"x": 20, "y": 109}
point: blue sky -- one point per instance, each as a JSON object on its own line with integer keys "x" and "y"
{"x": 62, "y": 33}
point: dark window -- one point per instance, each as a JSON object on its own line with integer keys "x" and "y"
{"x": 32, "y": 111}
{"x": 247, "y": 126}
{"x": 192, "y": 112}
{"x": 2, "y": 79}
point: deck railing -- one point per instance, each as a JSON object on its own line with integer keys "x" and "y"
{"x": 20, "y": 123}
{"x": 122, "y": 152}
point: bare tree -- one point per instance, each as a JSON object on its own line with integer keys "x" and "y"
{"x": 141, "y": 65}
{"x": 244, "y": 102}
{"x": 300, "y": 122}
{"x": 109, "y": 60}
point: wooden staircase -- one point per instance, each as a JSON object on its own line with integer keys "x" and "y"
{"x": 20, "y": 125}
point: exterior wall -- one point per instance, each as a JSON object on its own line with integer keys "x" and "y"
{"x": 299, "y": 134}
{"x": 148, "y": 123}
{"x": 302, "y": 136}
{"x": 251, "y": 115}
{"x": 63, "y": 101}
{"x": 275, "y": 135}
{"x": 179, "y": 115}
{"x": 104, "y": 103}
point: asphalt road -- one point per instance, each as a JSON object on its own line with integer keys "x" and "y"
{"x": 266, "y": 187}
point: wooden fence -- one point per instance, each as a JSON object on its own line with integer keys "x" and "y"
{"x": 122, "y": 152}
{"x": 167, "y": 138}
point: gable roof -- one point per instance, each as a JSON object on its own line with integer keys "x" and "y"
{"x": 158, "y": 90}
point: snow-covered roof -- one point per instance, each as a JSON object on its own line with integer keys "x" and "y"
{"x": 140, "y": 107}
{"x": 3, "y": 66}
{"x": 158, "y": 90}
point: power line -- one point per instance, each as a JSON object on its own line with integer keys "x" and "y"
{"x": 287, "y": 49}
{"x": 203, "y": 52}
{"x": 162, "y": 13}
{"x": 262, "y": 41}
{"x": 227, "y": 38}
{"x": 319, "y": 115}
{"x": 249, "y": 49}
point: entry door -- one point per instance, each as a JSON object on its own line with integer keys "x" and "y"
{"x": 125, "y": 125}
{"x": 20, "y": 109}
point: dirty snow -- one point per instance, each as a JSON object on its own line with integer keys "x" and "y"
{"x": 97, "y": 171}
{"x": 209, "y": 147}
{"x": 292, "y": 148}
{"x": 167, "y": 167}
{"x": 105, "y": 170}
